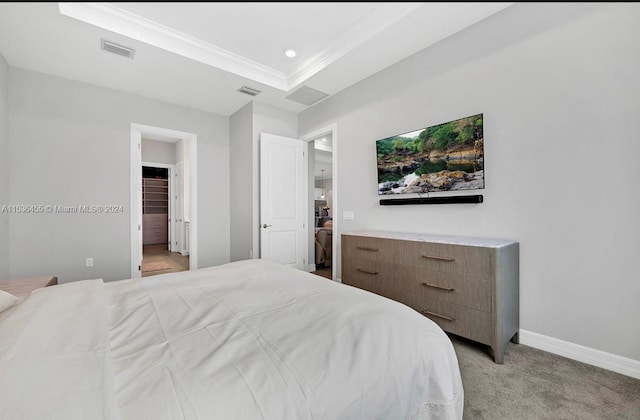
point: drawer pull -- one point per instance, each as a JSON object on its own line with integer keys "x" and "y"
{"x": 437, "y": 257}
{"x": 448, "y": 289}
{"x": 448, "y": 318}
{"x": 366, "y": 248}
{"x": 366, "y": 271}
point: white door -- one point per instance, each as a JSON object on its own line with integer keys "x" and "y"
{"x": 179, "y": 211}
{"x": 282, "y": 200}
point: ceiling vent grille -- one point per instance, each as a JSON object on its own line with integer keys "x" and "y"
{"x": 112, "y": 47}
{"x": 307, "y": 96}
{"x": 249, "y": 91}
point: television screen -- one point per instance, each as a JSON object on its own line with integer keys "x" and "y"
{"x": 443, "y": 157}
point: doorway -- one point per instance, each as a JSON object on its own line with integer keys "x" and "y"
{"x": 322, "y": 201}
{"x": 181, "y": 226}
{"x": 323, "y": 205}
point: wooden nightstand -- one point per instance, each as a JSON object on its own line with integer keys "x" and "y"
{"x": 22, "y": 287}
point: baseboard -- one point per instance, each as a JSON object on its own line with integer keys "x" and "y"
{"x": 311, "y": 268}
{"x": 609, "y": 361}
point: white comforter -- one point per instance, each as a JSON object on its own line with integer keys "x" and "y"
{"x": 246, "y": 340}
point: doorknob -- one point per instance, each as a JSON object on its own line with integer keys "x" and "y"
{"x": 266, "y": 226}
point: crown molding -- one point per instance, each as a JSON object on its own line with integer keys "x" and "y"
{"x": 123, "y": 22}
{"x": 117, "y": 20}
{"x": 373, "y": 24}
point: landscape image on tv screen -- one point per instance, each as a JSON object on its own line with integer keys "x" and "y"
{"x": 443, "y": 157}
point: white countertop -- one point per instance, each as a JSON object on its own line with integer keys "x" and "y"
{"x": 424, "y": 237}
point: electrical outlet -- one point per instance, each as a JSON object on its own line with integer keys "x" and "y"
{"x": 88, "y": 262}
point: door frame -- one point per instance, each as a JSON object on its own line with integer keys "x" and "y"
{"x": 183, "y": 247}
{"x": 190, "y": 142}
{"x": 309, "y": 137}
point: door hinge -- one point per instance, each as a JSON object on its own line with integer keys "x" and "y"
{"x": 139, "y": 227}
{"x": 139, "y": 267}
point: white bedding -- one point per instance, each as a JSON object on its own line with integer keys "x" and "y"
{"x": 246, "y": 340}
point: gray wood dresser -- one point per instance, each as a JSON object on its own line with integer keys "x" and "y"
{"x": 468, "y": 286}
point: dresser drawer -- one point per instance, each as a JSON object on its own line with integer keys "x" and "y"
{"x": 378, "y": 249}
{"x": 375, "y": 276}
{"x": 154, "y": 237}
{"x": 155, "y": 223}
{"x": 458, "y": 259}
{"x": 353, "y": 275}
{"x": 454, "y": 288}
{"x": 154, "y": 229}
{"x": 456, "y": 319}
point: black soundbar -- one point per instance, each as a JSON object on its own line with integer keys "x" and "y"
{"x": 455, "y": 199}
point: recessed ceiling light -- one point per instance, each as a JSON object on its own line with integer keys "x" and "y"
{"x": 290, "y": 53}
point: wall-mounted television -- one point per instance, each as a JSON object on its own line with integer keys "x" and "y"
{"x": 443, "y": 157}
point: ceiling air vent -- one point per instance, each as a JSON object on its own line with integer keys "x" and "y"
{"x": 248, "y": 90}
{"x": 112, "y": 47}
{"x": 307, "y": 96}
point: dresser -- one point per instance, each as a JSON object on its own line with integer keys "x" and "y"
{"x": 468, "y": 286}
{"x": 155, "y": 209}
{"x": 155, "y": 229}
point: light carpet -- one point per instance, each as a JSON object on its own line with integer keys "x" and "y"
{"x": 536, "y": 385}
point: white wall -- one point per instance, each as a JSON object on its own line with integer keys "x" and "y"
{"x": 69, "y": 145}
{"x": 4, "y": 169}
{"x": 558, "y": 85}
{"x": 155, "y": 151}
{"x": 241, "y": 192}
{"x": 322, "y": 187}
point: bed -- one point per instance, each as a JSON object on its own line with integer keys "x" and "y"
{"x": 246, "y": 340}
